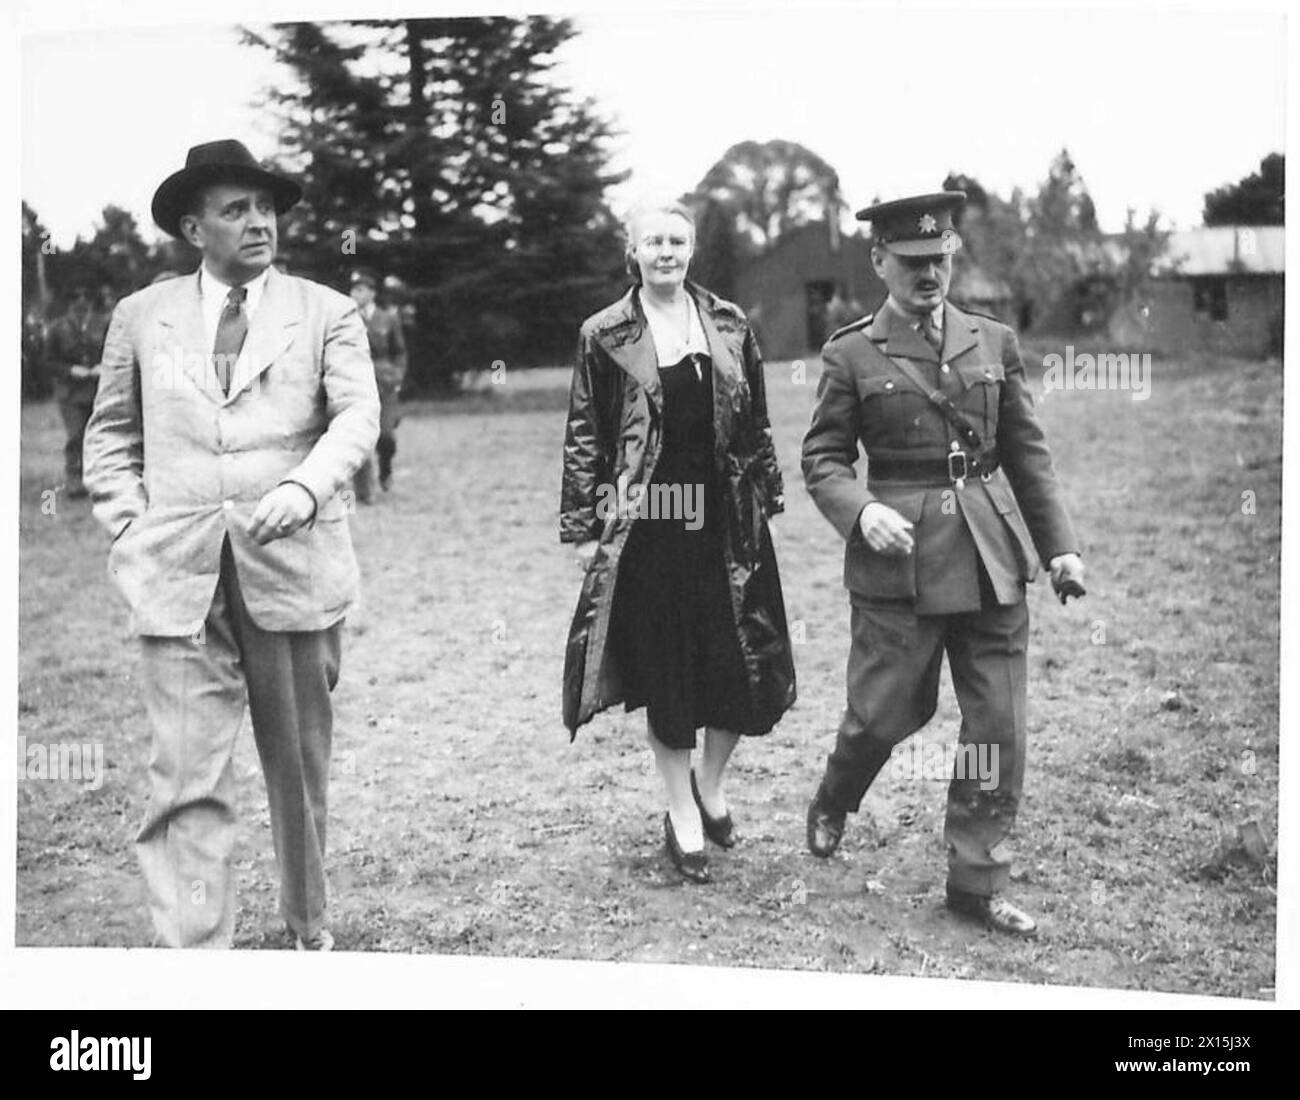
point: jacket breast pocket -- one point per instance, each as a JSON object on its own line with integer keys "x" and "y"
{"x": 296, "y": 365}
{"x": 893, "y": 412}
{"x": 981, "y": 393}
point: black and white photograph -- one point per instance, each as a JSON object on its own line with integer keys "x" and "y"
{"x": 725, "y": 493}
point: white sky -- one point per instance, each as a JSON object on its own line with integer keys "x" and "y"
{"x": 1157, "y": 107}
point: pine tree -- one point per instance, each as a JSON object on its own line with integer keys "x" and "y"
{"x": 440, "y": 151}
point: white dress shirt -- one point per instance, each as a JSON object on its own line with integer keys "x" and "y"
{"x": 213, "y": 294}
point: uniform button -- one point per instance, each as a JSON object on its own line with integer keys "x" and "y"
{"x": 889, "y": 385}
{"x": 988, "y": 374}
{"x": 227, "y": 504}
{"x": 945, "y": 368}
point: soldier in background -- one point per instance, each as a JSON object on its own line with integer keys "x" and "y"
{"x": 388, "y": 350}
{"x": 72, "y": 353}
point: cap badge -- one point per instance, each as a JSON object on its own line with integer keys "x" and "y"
{"x": 927, "y": 223}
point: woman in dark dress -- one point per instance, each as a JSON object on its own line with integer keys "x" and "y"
{"x": 670, "y": 478}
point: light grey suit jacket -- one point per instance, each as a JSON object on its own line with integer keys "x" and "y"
{"x": 175, "y": 466}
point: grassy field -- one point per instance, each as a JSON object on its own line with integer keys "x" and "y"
{"x": 463, "y": 820}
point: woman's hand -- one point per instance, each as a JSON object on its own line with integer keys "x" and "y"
{"x": 585, "y": 551}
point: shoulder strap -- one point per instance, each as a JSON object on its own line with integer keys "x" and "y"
{"x": 938, "y": 398}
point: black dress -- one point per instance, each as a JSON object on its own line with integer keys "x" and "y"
{"x": 674, "y": 630}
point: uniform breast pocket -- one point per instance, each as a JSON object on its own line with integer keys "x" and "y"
{"x": 981, "y": 392}
{"x": 893, "y": 413}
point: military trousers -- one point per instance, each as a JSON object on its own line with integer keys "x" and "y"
{"x": 893, "y": 690}
{"x": 195, "y": 690}
{"x": 390, "y": 415}
{"x": 75, "y": 410}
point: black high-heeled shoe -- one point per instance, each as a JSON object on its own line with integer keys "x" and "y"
{"x": 693, "y": 866}
{"x": 720, "y": 830}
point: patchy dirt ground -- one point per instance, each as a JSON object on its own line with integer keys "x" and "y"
{"x": 463, "y": 820}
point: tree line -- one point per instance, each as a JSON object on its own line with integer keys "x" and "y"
{"x": 444, "y": 153}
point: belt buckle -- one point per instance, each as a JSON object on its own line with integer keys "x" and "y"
{"x": 958, "y": 468}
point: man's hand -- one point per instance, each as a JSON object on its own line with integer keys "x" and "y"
{"x": 585, "y": 551}
{"x": 281, "y": 512}
{"x": 885, "y": 531}
{"x": 1067, "y": 576}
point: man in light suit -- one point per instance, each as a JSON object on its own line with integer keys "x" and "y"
{"x": 960, "y": 505}
{"x": 233, "y": 405}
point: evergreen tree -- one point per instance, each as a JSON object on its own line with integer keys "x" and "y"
{"x": 441, "y": 152}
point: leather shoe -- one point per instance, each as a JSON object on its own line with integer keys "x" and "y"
{"x": 996, "y": 912}
{"x": 825, "y": 827}
{"x": 720, "y": 830}
{"x": 694, "y": 866}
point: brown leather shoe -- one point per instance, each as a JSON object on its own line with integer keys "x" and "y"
{"x": 825, "y": 827}
{"x": 996, "y": 912}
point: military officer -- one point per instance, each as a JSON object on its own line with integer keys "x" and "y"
{"x": 388, "y": 350}
{"x": 960, "y": 506}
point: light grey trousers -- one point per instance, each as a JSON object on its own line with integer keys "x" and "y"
{"x": 195, "y": 690}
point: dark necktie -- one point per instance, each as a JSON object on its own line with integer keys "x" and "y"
{"x": 931, "y": 332}
{"x": 231, "y": 330}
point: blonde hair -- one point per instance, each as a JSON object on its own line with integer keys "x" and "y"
{"x": 639, "y": 210}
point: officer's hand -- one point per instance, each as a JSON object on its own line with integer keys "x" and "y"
{"x": 1067, "y": 576}
{"x": 885, "y": 531}
{"x": 585, "y": 551}
{"x": 280, "y": 513}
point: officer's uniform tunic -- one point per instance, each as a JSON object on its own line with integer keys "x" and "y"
{"x": 978, "y": 540}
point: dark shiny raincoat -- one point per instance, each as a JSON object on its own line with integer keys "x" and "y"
{"x": 615, "y": 429}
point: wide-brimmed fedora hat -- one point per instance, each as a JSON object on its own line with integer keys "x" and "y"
{"x": 226, "y": 161}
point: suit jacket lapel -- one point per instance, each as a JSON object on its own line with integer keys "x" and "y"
{"x": 184, "y": 337}
{"x": 271, "y": 330}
